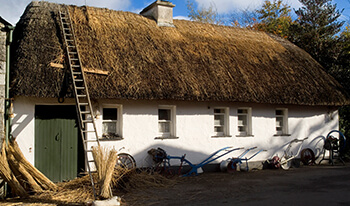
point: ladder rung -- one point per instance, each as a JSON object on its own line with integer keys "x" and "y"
{"x": 80, "y": 87}
{"x": 83, "y": 104}
{"x": 78, "y": 80}
{"x": 75, "y": 66}
{"x": 76, "y": 72}
{"x": 90, "y": 140}
{"x": 85, "y": 112}
{"x": 87, "y": 131}
{"x": 74, "y": 59}
{"x": 81, "y": 95}
{"x": 86, "y": 121}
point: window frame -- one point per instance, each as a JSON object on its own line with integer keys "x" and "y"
{"x": 226, "y": 128}
{"x": 284, "y": 116}
{"x": 172, "y": 133}
{"x": 248, "y": 114}
{"x": 119, "y": 121}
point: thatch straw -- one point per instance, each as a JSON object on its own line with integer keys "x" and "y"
{"x": 8, "y": 176}
{"x": 192, "y": 61}
{"x": 105, "y": 160}
{"x": 78, "y": 190}
{"x": 28, "y": 178}
{"x": 143, "y": 179}
{"x": 45, "y": 183}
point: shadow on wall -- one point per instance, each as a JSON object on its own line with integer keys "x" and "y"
{"x": 19, "y": 123}
{"x": 195, "y": 157}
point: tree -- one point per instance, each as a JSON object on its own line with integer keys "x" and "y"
{"x": 205, "y": 15}
{"x": 274, "y": 18}
{"x": 245, "y": 18}
{"x": 315, "y": 30}
{"x": 341, "y": 72}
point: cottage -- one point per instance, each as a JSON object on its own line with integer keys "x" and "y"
{"x": 185, "y": 86}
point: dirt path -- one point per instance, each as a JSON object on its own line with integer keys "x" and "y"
{"x": 311, "y": 185}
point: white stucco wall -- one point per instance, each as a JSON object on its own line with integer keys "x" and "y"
{"x": 194, "y": 128}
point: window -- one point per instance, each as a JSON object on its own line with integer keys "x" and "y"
{"x": 281, "y": 121}
{"x": 221, "y": 121}
{"x": 244, "y": 121}
{"x": 111, "y": 121}
{"x": 166, "y": 121}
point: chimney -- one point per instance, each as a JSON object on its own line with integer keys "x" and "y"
{"x": 161, "y": 11}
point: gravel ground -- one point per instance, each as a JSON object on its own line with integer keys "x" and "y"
{"x": 306, "y": 185}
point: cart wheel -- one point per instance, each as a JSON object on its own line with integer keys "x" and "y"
{"x": 307, "y": 156}
{"x": 275, "y": 162}
{"x": 164, "y": 170}
{"x": 232, "y": 165}
{"x": 285, "y": 164}
{"x": 125, "y": 161}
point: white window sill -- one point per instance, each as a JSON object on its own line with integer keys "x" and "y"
{"x": 169, "y": 137}
{"x": 111, "y": 139}
{"x": 246, "y": 135}
{"x": 276, "y": 135}
{"x": 221, "y": 136}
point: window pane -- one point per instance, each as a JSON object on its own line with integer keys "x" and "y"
{"x": 110, "y": 113}
{"x": 218, "y": 129}
{"x": 219, "y": 110}
{"x": 242, "y": 120}
{"x": 242, "y": 128}
{"x": 279, "y": 121}
{"x": 219, "y": 120}
{"x": 109, "y": 127}
{"x": 279, "y": 112}
{"x": 164, "y": 114}
{"x": 242, "y": 111}
{"x": 164, "y": 127}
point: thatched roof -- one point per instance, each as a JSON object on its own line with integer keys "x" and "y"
{"x": 133, "y": 58}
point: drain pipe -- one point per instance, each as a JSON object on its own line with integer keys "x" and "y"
{"x": 8, "y": 113}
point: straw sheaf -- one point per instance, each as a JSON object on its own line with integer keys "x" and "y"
{"x": 192, "y": 61}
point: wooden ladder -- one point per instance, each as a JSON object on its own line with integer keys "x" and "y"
{"x": 83, "y": 104}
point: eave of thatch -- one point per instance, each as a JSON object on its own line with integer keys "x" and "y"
{"x": 192, "y": 61}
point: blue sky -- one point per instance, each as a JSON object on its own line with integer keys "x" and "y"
{"x": 11, "y": 10}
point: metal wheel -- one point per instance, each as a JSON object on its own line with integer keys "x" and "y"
{"x": 125, "y": 161}
{"x": 164, "y": 168}
{"x": 285, "y": 164}
{"x": 307, "y": 157}
{"x": 232, "y": 165}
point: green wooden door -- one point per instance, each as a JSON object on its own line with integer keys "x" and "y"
{"x": 56, "y": 142}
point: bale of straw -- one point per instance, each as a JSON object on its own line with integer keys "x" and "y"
{"x": 8, "y": 176}
{"x": 24, "y": 174}
{"x": 105, "y": 162}
{"x": 43, "y": 181}
{"x": 110, "y": 164}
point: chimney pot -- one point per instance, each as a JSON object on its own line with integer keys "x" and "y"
{"x": 161, "y": 11}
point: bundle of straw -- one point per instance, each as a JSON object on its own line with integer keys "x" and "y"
{"x": 105, "y": 161}
{"x": 43, "y": 181}
{"x": 7, "y": 174}
{"x": 19, "y": 173}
